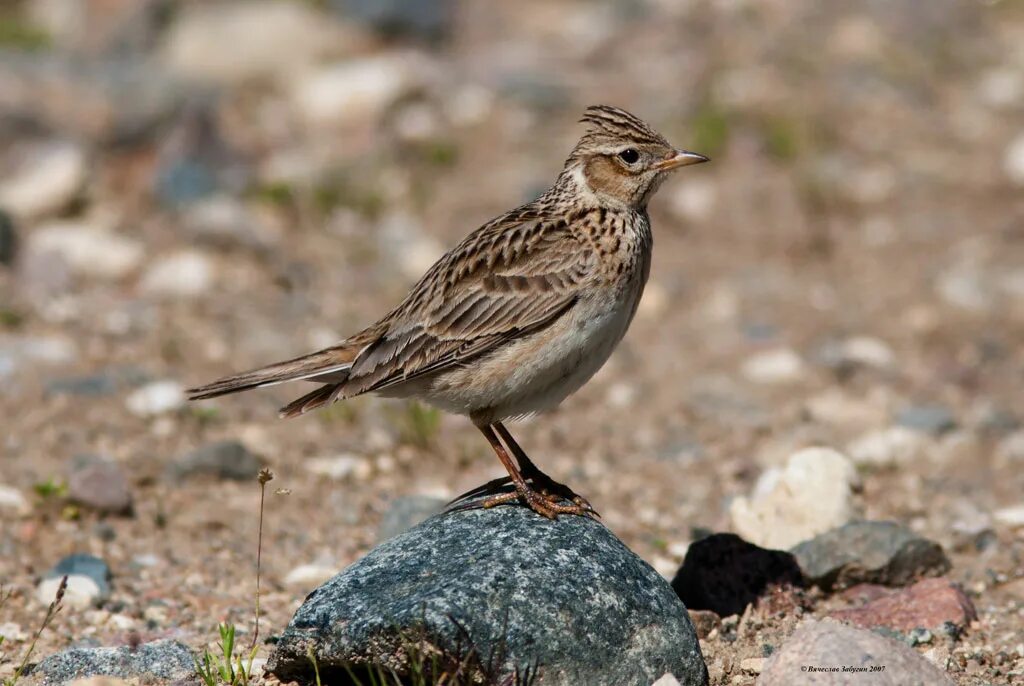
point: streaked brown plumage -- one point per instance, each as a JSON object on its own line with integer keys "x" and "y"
{"x": 520, "y": 314}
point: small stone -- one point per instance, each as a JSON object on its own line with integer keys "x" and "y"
{"x": 223, "y": 460}
{"x": 667, "y": 679}
{"x": 163, "y": 661}
{"x": 99, "y": 484}
{"x": 47, "y": 178}
{"x": 235, "y": 42}
{"x": 406, "y": 512}
{"x": 13, "y": 632}
{"x": 889, "y": 447}
{"x": 930, "y": 419}
{"x": 810, "y": 495}
{"x": 12, "y": 500}
{"x": 1010, "y": 516}
{"x": 869, "y": 552}
{"x": 223, "y": 221}
{"x": 356, "y": 90}
{"x": 839, "y": 408}
{"x": 919, "y": 636}
{"x": 1011, "y": 450}
{"x": 859, "y": 351}
{"x": 309, "y": 576}
{"x": 88, "y": 581}
{"x": 966, "y": 287}
{"x": 81, "y": 593}
{"x": 339, "y": 467}
{"x": 185, "y": 274}
{"x": 88, "y": 250}
{"x": 930, "y": 604}
{"x": 1013, "y": 160}
{"x": 724, "y": 574}
{"x": 827, "y": 653}
{"x": 158, "y": 397}
{"x": 498, "y": 580}
{"x": 753, "y": 665}
{"x": 774, "y": 367}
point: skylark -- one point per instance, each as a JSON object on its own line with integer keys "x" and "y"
{"x": 517, "y": 316}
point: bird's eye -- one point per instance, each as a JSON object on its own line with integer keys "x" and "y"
{"x": 629, "y": 156}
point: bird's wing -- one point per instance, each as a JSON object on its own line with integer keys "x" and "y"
{"x": 511, "y": 277}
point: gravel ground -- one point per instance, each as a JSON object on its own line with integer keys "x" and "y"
{"x": 178, "y": 204}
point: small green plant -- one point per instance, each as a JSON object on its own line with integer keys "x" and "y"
{"x": 51, "y": 612}
{"x": 420, "y": 424}
{"x": 227, "y": 668}
{"x": 51, "y": 488}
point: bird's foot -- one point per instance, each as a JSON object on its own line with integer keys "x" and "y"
{"x": 546, "y": 504}
{"x": 553, "y": 492}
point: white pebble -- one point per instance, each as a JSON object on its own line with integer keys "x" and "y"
{"x": 156, "y": 398}
{"x": 1013, "y": 161}
{"x": 810, "y": 495}
{"x": 87, "y": 249}
{"x": 81, "y": 592}
{"x": 48, "y": 178}
{"x": 355, "y": 90}
{"x": 12, "y": 632}
{"x": 1011, "y": 516}
{"x": 778, "y": 366}
{"x": 185, "y": 274}
{"x": 340, "y": 467}
{"x": 667, "y": 679}
{"x": 12, "y": 499}
{"x": 309, "y": 576}
{"x": 895, "y": 445}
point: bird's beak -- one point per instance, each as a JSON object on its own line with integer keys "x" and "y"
{"x": 679, "y": 158}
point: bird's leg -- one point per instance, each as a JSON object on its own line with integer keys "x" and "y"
{"x": 555, "y": 490}
{"x": 537, "y": 501}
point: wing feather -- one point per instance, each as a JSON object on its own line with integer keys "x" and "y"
{"x": 513, "y": 276}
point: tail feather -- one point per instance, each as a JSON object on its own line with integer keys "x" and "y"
{"x": 325, "y": 395}
{"x": 330, "y": 365}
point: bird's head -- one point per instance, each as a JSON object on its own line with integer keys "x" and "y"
{"x": 622, "y": 160}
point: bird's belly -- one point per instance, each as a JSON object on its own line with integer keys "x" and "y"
{"x": 537, "y": 372}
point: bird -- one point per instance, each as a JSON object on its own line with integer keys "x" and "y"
{"x": 518, "y": 315}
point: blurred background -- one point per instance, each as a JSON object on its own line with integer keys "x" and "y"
{"x": 190, "y": 188}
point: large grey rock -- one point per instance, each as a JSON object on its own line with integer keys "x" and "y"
{"x": 157, "y": 662}
{"x": 565, "y": 598}
{"x": 828, "y": 653}
{"x": 869, "y": 552}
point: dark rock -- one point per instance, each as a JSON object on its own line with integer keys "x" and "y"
{"x": 99, "y": 484}
{"x": 224, "y": 460}
{"x": 431, "y": 20}
{"x": 565, "y": 598}
{"x": 8, "y": 239}
{"x": 930, "y": 419}
{"x": 159, "y": 661}
{"x": 869, "y": 552}
{"x": 405, "y": 513}
{"x": 928, "y": 604}
{"x": 723, "y": 573}
{"x": 827, "y": 653}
